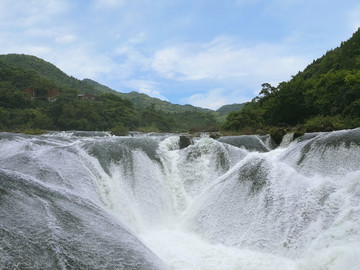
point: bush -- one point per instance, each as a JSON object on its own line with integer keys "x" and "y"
{"x": 120, "y": 130}
{"x": 325, "y": 123}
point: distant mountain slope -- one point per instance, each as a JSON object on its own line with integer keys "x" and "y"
{"x": 142, "y": 101}
{"x": 33, "y": 63}
{"x": 223, "y": 111}
{"x": 35, "y": 94}
{"x": 230, "y": 108}
{"x": 44, "y": 70}
{"x": 50, "y": 72}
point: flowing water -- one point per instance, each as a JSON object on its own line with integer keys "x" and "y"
{"x": 86, "y": 200}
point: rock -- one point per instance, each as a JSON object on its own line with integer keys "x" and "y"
{"x": 277, "y": 134}
{"x": 215, "y": 136}
{"x": 298, "y": 134}
{"x": 184, "y": 142}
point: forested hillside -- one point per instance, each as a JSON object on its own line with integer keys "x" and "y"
{"x": 46, "y": 72}
{"x": 223, "y": 111}
{"x": 142, "y": 101}
{"x": 325, "y": 96}
{"x": 35, "y": 94}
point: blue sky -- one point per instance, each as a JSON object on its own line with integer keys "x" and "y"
{"x": 206, "y": 53}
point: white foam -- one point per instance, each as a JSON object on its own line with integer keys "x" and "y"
{"x": 212, "y": 205}
{"x": 182, "y": 250}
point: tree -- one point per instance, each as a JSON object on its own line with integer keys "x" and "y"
{"x": 10, "y": 97}
{"x": 249, "y": 118}
{"x": 267, "y": 90}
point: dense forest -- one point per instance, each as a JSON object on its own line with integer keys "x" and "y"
{"x": 35, "y": 95}
{"x": 323, "y": 97}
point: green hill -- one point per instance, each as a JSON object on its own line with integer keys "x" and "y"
{"x": 226, "y": 109}
{"x": 345, "y": 57}
{"x": 28, "y": 83}
{"x": 142, "y": 101}
{"x": 58, "y": 78}
{"x": 45, "y": 71}
{"x": 325, "y": 96}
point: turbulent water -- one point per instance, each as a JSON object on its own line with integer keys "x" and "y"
{"x": 83, "y": 200}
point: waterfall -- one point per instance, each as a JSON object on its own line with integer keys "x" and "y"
{"x": 89, "y": 200}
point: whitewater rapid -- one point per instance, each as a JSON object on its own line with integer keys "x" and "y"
{"x": 89, "y": 200}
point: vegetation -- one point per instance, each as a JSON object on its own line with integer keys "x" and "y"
{"x": 223, "y": 111}
{"x": 142, "y": 101}
{"x": 26, "y": 82}
{"x": 324, "y": 97}
{"x": 226, "y": 109}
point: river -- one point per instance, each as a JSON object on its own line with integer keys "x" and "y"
{"x": 89, "y": 200}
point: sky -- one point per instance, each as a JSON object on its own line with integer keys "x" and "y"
{"x": 206, "y": 53}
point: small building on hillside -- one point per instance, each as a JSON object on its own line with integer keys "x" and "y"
{"x": 50, "y": 95}
{"x": 87, "y": 97}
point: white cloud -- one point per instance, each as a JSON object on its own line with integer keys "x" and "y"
{"x": 131, "y": 60}
{"x": 38, "y": 50}
{"x": 42, "y": 29}
{"x": 58, "y": 34}
{"x": 146, "y": 87}
{"x": 65, "y": 39}
{"x": 30, "y": 25}
{"x": 223, "y": 58}
{"x": 29, "y": 12}
{"x": 214, "y": 60}
{"x": 83, "y": 63}
{"x": 215, "y": 98}
{"x": 138, "y": 84}
{"x": 152, "y": 93}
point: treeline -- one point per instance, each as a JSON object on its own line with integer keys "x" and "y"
{"x": 20, "y": 111}
{"x": 324, "y": 97}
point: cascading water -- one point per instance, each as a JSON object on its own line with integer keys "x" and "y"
{"x": 82, "y": 200}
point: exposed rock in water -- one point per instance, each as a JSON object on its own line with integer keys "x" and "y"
{"x": 277, "y": 135}
{"x": 184, "y": 142}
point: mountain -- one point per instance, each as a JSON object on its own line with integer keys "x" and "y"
{"x": 46, "y": 71}
{"x": 324, "y": 96}
{"x": 344, "y": 57}
{"x": 223, "y": 111}
{"x": 142, "y": 101}
{"x": 36, "y": 94}
{"x": 59, "y": 79}
{"x": 230, "y": 108}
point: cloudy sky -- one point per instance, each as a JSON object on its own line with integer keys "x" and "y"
{"x": 201, "y": 52}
